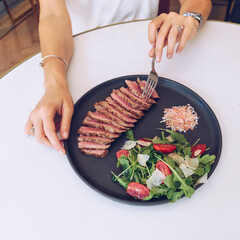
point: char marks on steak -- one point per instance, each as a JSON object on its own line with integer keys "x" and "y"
{"x": 104, "y": 119}
{"x": 135, "y": 89}
{"x": 121, "y": 109}
{"x": 110, "y": 113}
{"x": 94, "y": 139}
{"x": 113, "y": 116}
{"x": 126, "y": 105}
{"x": 142, "y": 85}
{"x": 95, "y": 152}
{"x": 89, "y": 131}
{"x": 108, "y": 127}
{"x": 135, "y": 98}
{"x": 92, "y": 145}
{"x": 134, "y": 104}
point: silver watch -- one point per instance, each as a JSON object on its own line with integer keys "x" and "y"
{"x": 195, "y": 15}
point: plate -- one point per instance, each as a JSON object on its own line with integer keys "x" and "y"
{"x": 96, "y": 172}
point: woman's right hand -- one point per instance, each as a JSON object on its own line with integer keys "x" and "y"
{"x": 56, "y": 101}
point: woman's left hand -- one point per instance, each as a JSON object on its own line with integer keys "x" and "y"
{"x": 168, "y": 30}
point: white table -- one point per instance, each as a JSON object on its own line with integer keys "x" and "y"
{"x": 41, "y": 197}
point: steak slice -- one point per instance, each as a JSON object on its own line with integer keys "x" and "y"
{"x": 92, "y": 145}
{"x": 135, "y": 98}
{"x": 111, "y": 115}
{"x": 134, "y": 104}
{"x": 142, "y": 85}
{"x": 111, "y": 108}
{"x": 96, "y": 132}
{"x": 108, "y": 127}
{"x": 94, "y": 139}
{"x": 121, "y": 109}
{"x": 135, "y": 89}
{"x": 104, "y": 119}
{"x": 95, "y": 152}
{"x": 126, "y": 105}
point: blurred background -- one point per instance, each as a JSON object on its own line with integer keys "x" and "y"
{"x": 19, "y": 27}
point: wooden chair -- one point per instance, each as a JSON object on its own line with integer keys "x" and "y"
{"x": 34, "y": 8}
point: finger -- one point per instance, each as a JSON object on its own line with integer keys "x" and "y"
{"x": 172, "y": 39}
{"x": 184, "y": 38}
{"x": 28, "y": 126}
{"x": 151, "y": 52}
{"x": 153, "y": 26}
{"x": 161, "y": 40}
{"x": 67, "y": 113}
{"x": 50, "y": 131}
{"x": 40, "y": 134}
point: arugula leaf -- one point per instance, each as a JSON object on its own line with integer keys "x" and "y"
{"x": 176, "y": 136}
{"x": 129, "y": 134}
{"x": 207, "y": 159}
{"x": 168, "y": 181}
{"x": 207, "y": 169}
{"x": 200, "y": 171}
{"x": 176, "y": 196}
{"x": 122, "y": 181}
{"x": 188, "y": 191}
{"x": 187, "y": 151}
{"x": 156, "y": 192}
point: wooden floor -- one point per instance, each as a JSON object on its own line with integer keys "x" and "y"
{"x": 23, "y": 41}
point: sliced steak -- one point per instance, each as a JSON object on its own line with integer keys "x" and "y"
{"x": 108, "y": 127}
{"x": 134, "y": 104}
{"x": 96, "y": 132}
{"x": 104, "y": 119}
{"x": 92, "y": 145}
{"x": 116, "y": 111}
{"x": 135, "y": 98}
{"x": 94, "y": 139}
{"x": 111, "y": 115}
{"x": 121, "y": 109}
{"x": 126, "y": 105}
{"x": 95, "y": 152}
{"x": 142, "y": 85}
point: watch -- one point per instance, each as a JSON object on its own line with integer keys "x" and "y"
{"x": 196, "y": 16}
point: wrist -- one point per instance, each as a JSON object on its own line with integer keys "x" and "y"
{"x": 54, "y": 74}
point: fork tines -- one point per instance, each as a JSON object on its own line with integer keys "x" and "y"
{"x": 150, "y": 84}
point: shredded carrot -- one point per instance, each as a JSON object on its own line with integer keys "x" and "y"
{"x": 181, "y": 118}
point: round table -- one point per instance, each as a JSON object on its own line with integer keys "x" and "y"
{"x": 41, "y": 197}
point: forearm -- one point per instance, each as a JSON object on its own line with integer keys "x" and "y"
{"x": 200, "y": 6}
{"x": 55, "y": 39}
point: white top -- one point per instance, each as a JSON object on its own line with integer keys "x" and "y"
{"x": 88, "y": 14}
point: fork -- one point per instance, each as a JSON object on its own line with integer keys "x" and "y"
{"x": 151, "y": 81}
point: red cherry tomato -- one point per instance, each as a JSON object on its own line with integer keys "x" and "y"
{"x": 144, "y": 142}
{"x": 164, "y": 148}
{"x": 137, "y": 190}
{"x": 198, "y": 149}
{"x": 161, "y": 166}
{"x": 122, "y": 152}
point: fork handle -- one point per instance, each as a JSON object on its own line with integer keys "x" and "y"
{"x": 153, "y": 59}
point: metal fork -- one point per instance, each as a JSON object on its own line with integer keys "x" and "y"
{"x": 151, "y": 81}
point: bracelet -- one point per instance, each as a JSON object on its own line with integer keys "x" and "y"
{"x": 42, "y": 63}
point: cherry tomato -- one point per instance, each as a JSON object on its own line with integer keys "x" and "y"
{"x": 164, "y": 148}
{"x": 122, "y": 152}
{"x": 137, "y": 190}
{"x": 161, "y": 166}
{"x": 198, "y": 149}
{"x": 144, "y": 142}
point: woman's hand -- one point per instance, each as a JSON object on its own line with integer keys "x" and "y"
{"x": 166, "y": 30}
{"x": 56, "y": 101}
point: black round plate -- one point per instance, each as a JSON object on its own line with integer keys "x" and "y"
{"x": 96, "y": 172}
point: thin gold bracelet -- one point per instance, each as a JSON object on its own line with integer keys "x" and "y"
{"x": 42, "y": 63}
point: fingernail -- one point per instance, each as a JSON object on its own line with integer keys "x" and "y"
{"x": 62, "y": 152}
{"x": 177, "y": 51}
{"x": 153, "y": 44}
{"x": 157, "y": 58}
{"x": 169, "y": 56}
{"x": 65, "y": 134}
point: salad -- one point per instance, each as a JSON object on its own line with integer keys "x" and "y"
{"x": 162, "y": 167}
